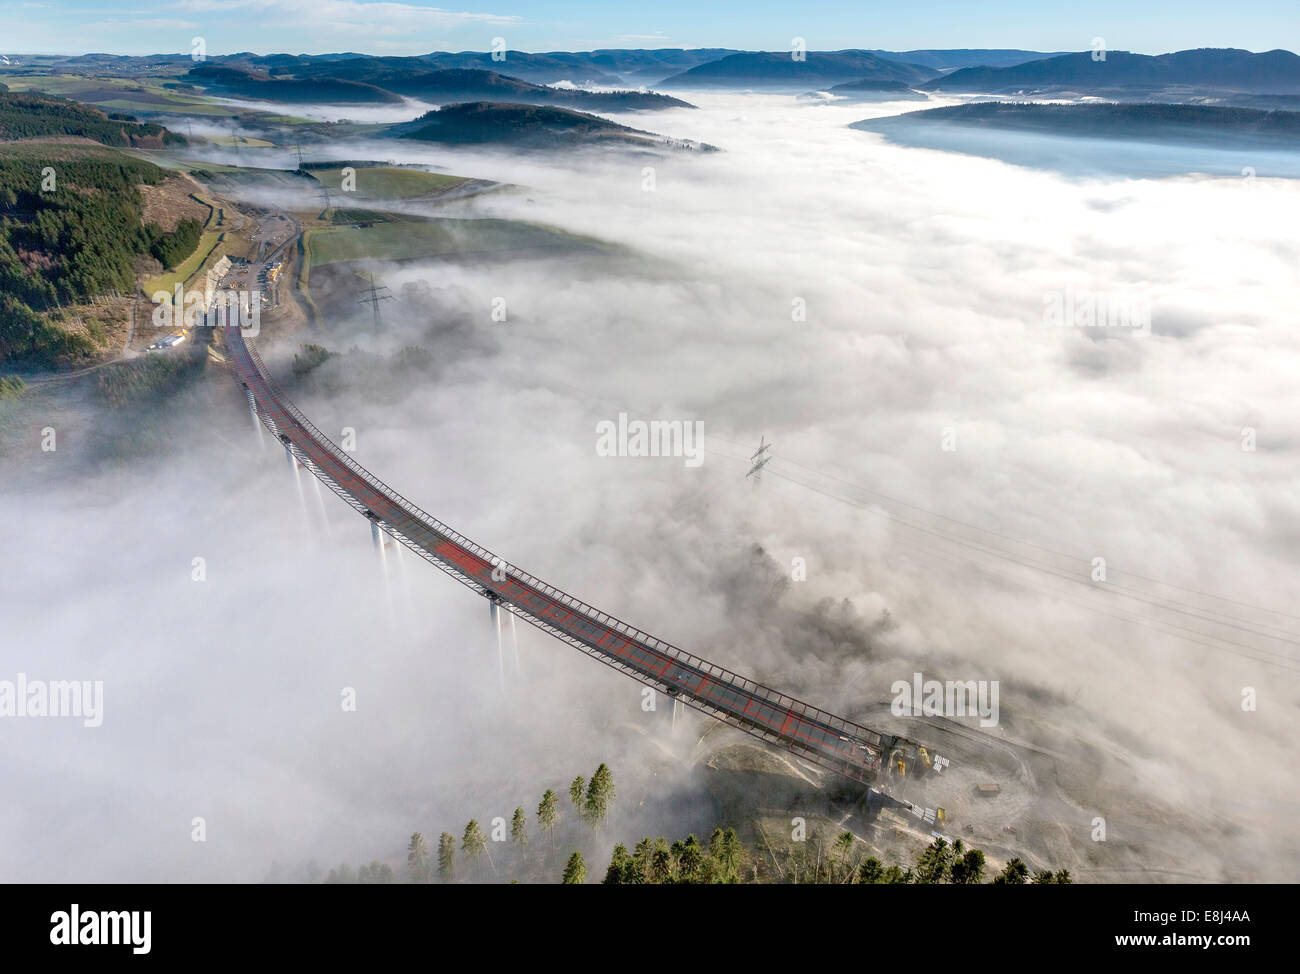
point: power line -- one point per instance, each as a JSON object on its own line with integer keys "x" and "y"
{"x": 1111, "y": 588}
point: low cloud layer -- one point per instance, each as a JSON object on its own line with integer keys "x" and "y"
{"x": 874, "y": 310}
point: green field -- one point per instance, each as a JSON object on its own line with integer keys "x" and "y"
{"x": 437, "y": 238}
{"x": 212, "y": 247}
{"x": 139, "y": 96}
{"x": 382, "y": 183}
{"x": 168, "y": 280}
{"x": 119, "y": 94}
{"x": 239, "y": 140}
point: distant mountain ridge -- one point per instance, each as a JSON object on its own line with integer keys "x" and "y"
{"x": 1274, "y": 71}
{"x": 967, "y": 57}
{"x": 241, "y": 83}
{"x": 605, "y": 67}
{"x": 387, "y": 80}
{"x": 781, "y": 70}
{"x": 975, "y": 70}
{"x": 1208, "y": 124}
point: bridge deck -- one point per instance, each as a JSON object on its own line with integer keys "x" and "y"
{"x": 820, "y": 737}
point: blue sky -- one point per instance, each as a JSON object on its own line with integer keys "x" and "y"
{"x": 416, "y": 26}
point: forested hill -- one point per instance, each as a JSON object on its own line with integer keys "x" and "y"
{"x": 1208, "y": 124}
{"x": 60, "y": 246}
{"x": 29, "y": 116}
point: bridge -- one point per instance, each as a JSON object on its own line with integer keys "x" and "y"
{"x": 819, "y": 737}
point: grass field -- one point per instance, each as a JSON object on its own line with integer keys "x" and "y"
{"x": 437, "y": 238}
{"x": 382, "y": 183}
{"x": 119, "y": 94}
{"x": 168, "y": 280}
{"x": 212, "y": 247}
{"x": 239, "y": 140}
{"x": 140, "y": 96}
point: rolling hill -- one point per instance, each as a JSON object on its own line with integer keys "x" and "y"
{"x": 869, "y": 90}
{"x": 29, "y": 116}
{"x": 967, "y": 57}
{"x": 1164, "y": 123}
{"x": 780, "y": 70}
{"x": 532, "y": 127}
{"x": 238, "y": 83}
{"x": 389, "y": 79}
{"x": 1205, "y": 68}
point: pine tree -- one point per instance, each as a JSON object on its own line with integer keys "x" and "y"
{"x": 575, "y": 873}
{"x": 725, "y": 849}
{"x": 896, "y": 875}
{"x": 933, "y": 863}
{"x": 871, "y": 871}
{"x": 690, "y": 861}
{"x": 447, "y": 857}
{"x": 843, "y": 849}
{"x": 474, "y": 843}
{"x": 600, "y": 795}
{"x": 417, "y": 859}
{"x": 576, "y": 793}
{"x": 547, "y": 814}
{"x": 1046, "y": 876}
{"x": 1013, "y": 873}
{"x": 641, "y": 856}
{"x": 969, "y": 869}
{"x": 519, "y": 828}
{"x": 661, "y": 863}
{"x": 620, "y": 867}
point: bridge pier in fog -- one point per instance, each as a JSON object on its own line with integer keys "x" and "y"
{"x": 377, "y": 539}
{"x": 514, "y": 642}
{"x": 498, "y": 614}
{"x": 494, "y": 613}
{"x": 257, "y": 423}
{"x": 297, "y": 481}
{"x": 320, "y": 502}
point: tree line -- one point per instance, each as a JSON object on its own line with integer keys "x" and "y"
{"x": 469, "y": 857}
{"x": 467, "y": 854}
{"x": 30, "y": 115}
{"x": 656, "y": 862}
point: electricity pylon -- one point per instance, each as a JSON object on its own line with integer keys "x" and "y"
{"x": 372, "y": 298}
{"x": 759, "y": 460}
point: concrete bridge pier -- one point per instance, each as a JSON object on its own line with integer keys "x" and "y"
{"x": 257, "y": 423}
{"x": 514, "y": 642}
{"x": 320, "y": 503}
{"x": 494, "y": 613}
{"x": 297, "y": 480}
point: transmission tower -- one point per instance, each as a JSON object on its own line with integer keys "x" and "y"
{"x": 373, "y": 297}
{"x": 759, "y": 460}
